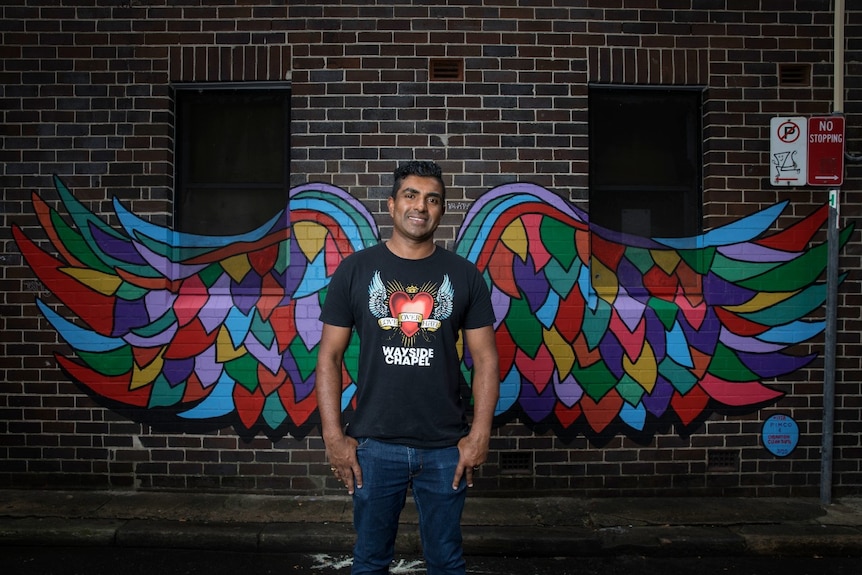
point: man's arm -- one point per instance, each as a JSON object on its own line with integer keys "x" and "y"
{"x": 340, "y": 448}
{"x": 486, "y": 391}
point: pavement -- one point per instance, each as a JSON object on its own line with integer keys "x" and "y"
{"x": 517, "y": 527}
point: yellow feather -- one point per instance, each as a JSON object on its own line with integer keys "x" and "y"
{"x": 604, "y": 281}
{"x": 236, "y": 266}
{"x": 225, "y": 350}
{"x": 311, "y": 237}
{"x": 561, "y": 351}
{"x": 515, "y": 238}
{"x": 665, "y": 259}
{"x": 143, "y": 376}
{"x": 101, "y": 282}
{"x": 760, "y": 301}
{"x": 644, "y": 370}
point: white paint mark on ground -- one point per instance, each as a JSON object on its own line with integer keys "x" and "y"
{"x": 398, "y": 567}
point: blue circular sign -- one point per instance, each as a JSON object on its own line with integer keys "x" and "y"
{"x": 780, "y": 434}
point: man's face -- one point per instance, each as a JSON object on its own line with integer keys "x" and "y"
{"x": 417, "y": 208}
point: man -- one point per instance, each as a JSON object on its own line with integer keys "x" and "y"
{"x": 408, "y": 300}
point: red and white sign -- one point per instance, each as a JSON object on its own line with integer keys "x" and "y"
{"x": 825, "y": 151}
{"x": 788, "y": 150}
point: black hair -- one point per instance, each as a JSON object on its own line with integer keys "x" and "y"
{"x": 421, "y": 168}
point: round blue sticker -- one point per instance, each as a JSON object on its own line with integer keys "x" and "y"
{"x": 780, "y": 434}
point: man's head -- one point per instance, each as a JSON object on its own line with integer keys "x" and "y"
{"x": 417, "y": 202}
{"x": 424, "y": 169}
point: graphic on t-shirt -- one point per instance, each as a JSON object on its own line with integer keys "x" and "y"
{"x": 412, "y": 309}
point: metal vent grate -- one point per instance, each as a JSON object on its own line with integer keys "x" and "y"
{"x": 516, "y": 462}
{"x": 445, "y": 70}
{"x": 722, "y": 460}
{"x": 794, "y": 75}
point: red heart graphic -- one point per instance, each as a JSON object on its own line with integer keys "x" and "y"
{"x": 422, "y": 303}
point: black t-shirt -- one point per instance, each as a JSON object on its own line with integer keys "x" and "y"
{"x": 408, "y": 315}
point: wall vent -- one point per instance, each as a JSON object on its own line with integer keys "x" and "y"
{"x": 794, "y": 75}
{"x": 516, "y": 462}
{"x": 722, "y": 460}
{"x": 446, "y": 70}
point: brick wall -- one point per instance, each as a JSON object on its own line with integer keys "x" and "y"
{"x": 86, "y": 95}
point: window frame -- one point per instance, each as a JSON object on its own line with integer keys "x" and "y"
{"x": 691, "y": 192}
{"x": 183, "y": 96}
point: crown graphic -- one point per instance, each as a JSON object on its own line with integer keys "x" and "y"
{"x": 412, "y": 289}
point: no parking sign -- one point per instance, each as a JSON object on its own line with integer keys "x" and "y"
{"x": 788, "y": 151}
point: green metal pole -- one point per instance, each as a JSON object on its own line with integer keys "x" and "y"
{"x": 827, "y": 445}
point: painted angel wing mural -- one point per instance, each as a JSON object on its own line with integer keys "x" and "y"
{"x": 598, "y": 332}
{"x": 198, "y": 328}
{"x": 601, "y": 332}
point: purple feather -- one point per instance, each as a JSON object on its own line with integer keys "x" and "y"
{"x": 296, "y": 270}
{"x": 656, "y": 335}
{"x": 705, "y": 338}
{"x": 751, "y": 252}
{"x": 631, "y": 277}
{"x": 533, "y": 285}
{"x": 717, "y": 291}
{"x": 537, "y": 406}
{"x": 611, "y": 352}
{"x": 658, "y": 401}
{"x": 177, "y": 371}
{"x": 302, "y": 389}
{"x": 117, "y": 248}
{"x": 247, "y": 292}
{"x": 773, "y": 364}
{"x": 128, "y": 315}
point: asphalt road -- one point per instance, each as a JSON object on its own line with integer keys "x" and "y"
{"x": 148, "y": 561}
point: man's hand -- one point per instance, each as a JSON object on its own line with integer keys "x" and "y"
{"x": 473, "y": 452}
{"x": 343, "y": 462}
{"x": 473, "y": 448}
{"x": 340, "y": 448}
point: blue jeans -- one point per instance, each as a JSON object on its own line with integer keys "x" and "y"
{"x": 387, "y": 472}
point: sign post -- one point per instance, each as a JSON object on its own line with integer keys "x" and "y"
{"x": 811, "y": 151}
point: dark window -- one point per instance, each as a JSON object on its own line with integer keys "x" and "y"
{"x": 645, "y": 160}
{"x": 233, "y": 158}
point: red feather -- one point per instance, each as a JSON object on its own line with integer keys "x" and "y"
{"x": 299, "y": 411}
{"x": 501, "y": 266}
{"x": 284, "y": 324}
{"x": 249, "y": 404}
{"x": 190, "y": 340}
{"x": 506, "y": 350}
{"x": 271, "y": 294}
{"x": 796, "y": 237}
{"x": 116, "y": 388}
{"x": 567, "y": 415}
{"x": 600, "y": 414}
{"x": 194, "y": 390}
{"x": 263, "y": 261}
{"x": 94, "y": 309}
{"x": 607, "y": 252}
{"x": 570, "y": 316}
{"x": 689, "y": 406}
{"x": 738, "y": 325}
